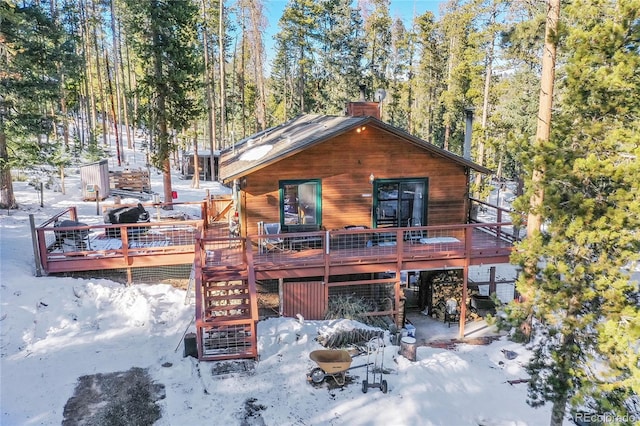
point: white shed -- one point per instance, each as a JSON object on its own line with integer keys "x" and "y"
{"x": 94, "y": 178}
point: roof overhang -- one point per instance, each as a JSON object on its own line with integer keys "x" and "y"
{"x": 325, "y": 128}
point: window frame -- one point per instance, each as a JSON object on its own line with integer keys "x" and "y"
{"x": 300, "y": 227}
{"x": 398, "y": 200}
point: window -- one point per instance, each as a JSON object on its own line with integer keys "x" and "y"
{"x": 399, "y": 203}
{"x": 300, "y": 205}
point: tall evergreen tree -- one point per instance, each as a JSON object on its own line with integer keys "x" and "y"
{"x": 250, "y": 67}
{"x": 429, "y": 77}
{"x": 377, "y": 23}
{"x": 399, "y": 75}
{"x": 586, "y": 306}
{"x": 296, "y": 45}
{"x": 33, "y": 48}
{"x": 340, "y": 55}
{"x": 164, "y": 36}
{"x": 463, "y": 72}
{"x": 516, "y": 90}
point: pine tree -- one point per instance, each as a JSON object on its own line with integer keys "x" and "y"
{"x": 398, "y": 110}
{"x": 463, "y": 56}
{"x": 164, "y": 36}
{"x": 296, "y": 45}
{"x": 377, "y": 24}
{"x": 585, "y": 305}
{"x": 340, "y": 56}
{"x": 34, "y": 49}
{"x": 430, "y": 69}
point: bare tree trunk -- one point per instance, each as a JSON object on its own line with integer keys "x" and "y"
{"x": 233, "y": 89}
{"x": 62, "y": 188}
{"x": 447, "y": 124}
{"x": 242, "y": 76}
{"x": 211, "y": 125}
{"x": 63, "y": 92}
{"x": 63, "y": 111}
{"x": 117, "y": 61}
{"x": 410, "y": 83}
{"x": 485, "y": 107}
{"x": 7, "y": 197}
{"x": 223, "y": 115}
{"x": 447, "y": 135}
{"x": 543, "y": 130}
{"x": 557, "y": 412}
{"x": 257, "y": 48}
{"x": 195, "y": 182}
{"x": 113, "y": 110}
{"x": 98, "y": 48}
{"x": 88, "y": 81}
{"x": 301, "y": 81}
{"x": 123, "y": 93}
{"x": 130, "y": 87}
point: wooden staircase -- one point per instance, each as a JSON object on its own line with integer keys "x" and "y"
{"x": 226, "y": 307}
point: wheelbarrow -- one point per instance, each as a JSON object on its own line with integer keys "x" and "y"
{"x": 331, "y": 363}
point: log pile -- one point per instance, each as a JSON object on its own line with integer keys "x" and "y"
{"x": 132, "y": 180}
{"x": 344, "y": 338}
{"x": 448, "y": 285}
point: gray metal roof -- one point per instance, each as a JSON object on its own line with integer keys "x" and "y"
{"x": 274, "y": 144}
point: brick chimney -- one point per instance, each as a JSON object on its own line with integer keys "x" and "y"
{"x": 362, "y": 108}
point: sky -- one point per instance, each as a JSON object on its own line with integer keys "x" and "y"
{"x": 404, "y": 9}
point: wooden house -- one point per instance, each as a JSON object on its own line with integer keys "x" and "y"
{"x": 327, "y": 172}
{"x": 335, "y": 207}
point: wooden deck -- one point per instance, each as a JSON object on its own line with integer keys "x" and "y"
{"x": 313, "y": 254}
{"x": 227, "y": 270}
{"x": 163, "y": 241}
{"x": 118, "y": 246}
{"x": 305, "y": 254}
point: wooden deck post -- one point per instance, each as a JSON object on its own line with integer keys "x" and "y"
{"x": 463, "y": 304}
{"x": 197, "y": 263}
{"x": 397, "y": 289}
{"x": 281, "y": 296}
{"x": 326, "y": 258}
{"x": 492, "y": 280}
{"x": 465, "y": 278}
{"x": 36, "y": 247}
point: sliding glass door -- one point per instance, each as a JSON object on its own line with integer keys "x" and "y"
{"x": 400, "y": 203}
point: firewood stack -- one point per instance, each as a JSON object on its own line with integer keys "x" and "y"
{"x": 448, "y": 285}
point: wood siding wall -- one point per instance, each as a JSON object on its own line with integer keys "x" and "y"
{"x": 344, "y": 165}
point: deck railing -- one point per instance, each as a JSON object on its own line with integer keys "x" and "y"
{"x": 483, "y": 212}
{"x": 171, "y": 242}
{"x": 359, "y": 245}
{"x": 94, "y": 247}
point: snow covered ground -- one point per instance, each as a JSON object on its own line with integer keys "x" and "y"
{"x": 55, "y": 331}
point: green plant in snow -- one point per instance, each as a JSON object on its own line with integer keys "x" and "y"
{"x": 576, "y": 279}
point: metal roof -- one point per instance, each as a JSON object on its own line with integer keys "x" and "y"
{"x": 274, "y": 144}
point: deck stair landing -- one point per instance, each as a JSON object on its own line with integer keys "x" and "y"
{"x": 226, "y": 314}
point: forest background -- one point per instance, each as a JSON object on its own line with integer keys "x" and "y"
{"x": 188, "y": 72}
{"x": 193, "y": 74}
